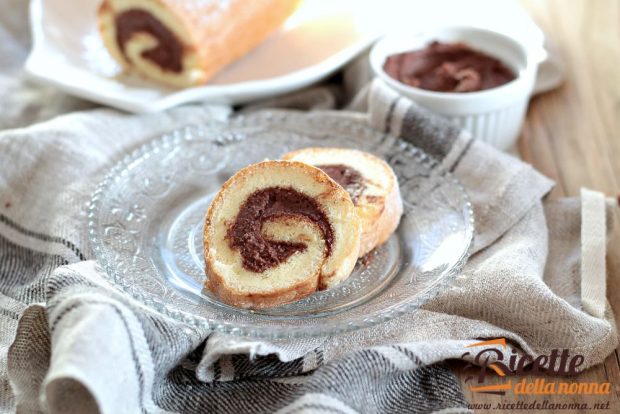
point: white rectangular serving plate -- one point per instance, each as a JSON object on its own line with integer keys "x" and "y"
{"x": 317, "y": 40}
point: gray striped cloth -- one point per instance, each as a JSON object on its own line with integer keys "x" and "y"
{"x": 77, "y": 345}
{"x": 71, "y": 343}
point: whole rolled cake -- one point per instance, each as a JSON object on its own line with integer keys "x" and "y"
{"x": 370, "y": 181}
{"x": 276, "y": 232}
{"x": 186, "y": 42}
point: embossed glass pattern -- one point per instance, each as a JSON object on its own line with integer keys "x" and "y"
{"x": 146, "y": 223}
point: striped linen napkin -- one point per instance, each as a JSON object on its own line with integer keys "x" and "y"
{"x": 80, "y": 345}
{"x": 70, "y": 342}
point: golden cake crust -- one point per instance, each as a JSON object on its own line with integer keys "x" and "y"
{"x": 327, "y": 274}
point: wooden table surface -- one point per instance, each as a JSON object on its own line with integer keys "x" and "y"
{"x": 573, "y": 136}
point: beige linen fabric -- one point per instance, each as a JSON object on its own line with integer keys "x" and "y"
{"x": 523, "y": 281}
{"x": 70, "y": 342}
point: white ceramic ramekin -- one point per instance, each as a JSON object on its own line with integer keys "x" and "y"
{"x": 493, "y": 115}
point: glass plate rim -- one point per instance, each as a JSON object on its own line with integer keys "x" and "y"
{"x": 173, "y": 137}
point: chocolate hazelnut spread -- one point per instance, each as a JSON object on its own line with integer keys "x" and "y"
{"x": 245, "y": 234}
{"x": 349, "y": 178}
{"x": 448, "y": 67}
{"x": 168, "y": 54}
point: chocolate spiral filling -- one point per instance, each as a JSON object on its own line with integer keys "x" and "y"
{"x": 168, "y": 54}
{"x": 348, "y": 178}
{"x": 245, "y": 234}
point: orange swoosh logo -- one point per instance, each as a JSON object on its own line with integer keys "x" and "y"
{"x": 498, "y": 341}
{"x": 496, "y": 387}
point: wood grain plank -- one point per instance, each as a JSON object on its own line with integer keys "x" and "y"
{"x": 572, "y": 135}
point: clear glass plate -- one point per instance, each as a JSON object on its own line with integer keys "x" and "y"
{"x": 146, "y": 222}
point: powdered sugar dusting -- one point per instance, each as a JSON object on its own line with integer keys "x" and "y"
{"x": 205, "y": 10}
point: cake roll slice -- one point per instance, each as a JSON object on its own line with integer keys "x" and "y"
{"x": 186, "y": 42}
{"x": 276, "y": 232}
{"x": 371, "y": 183}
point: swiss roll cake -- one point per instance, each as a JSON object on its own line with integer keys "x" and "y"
{"x": 278, "y": 231}
{"x": 371, "y": 183}
{"x": 186, "y": 42}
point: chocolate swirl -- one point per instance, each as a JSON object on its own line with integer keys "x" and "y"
{"x": 168, "y": 54}
{"x": 349, "y": 178}
{"x": 245, "y": 233}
